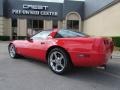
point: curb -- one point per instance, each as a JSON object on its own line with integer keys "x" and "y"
{"x": 4, "y": 41}
{"x": 116, "y": 54}
{"x": 116, "y": 57}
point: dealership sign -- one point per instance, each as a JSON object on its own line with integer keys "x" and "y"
{"x": 34, "y": 10}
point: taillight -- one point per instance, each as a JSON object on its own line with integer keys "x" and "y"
{"x": 111, "y": 46}
{"x": 99, "y": 45}
{"x": 106, "y": 42}
{"x": 103, "y": 45}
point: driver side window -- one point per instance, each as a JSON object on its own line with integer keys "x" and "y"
{"x": 41, "y": 35}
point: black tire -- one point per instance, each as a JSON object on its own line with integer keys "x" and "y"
{"x": 12, "y": 51}
{"x": 59, "y": 61}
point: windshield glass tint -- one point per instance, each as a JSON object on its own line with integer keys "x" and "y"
{"x": 69, "y": 33}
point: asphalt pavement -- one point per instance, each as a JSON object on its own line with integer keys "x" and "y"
{"x": 27, "y": 74}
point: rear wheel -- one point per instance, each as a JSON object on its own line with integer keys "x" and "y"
{"x": 58, "y": 61}
{"x": 12, "y": 51}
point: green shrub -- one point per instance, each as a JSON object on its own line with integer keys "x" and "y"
{"x": 7, "y": 38}
{"x": 21, "y": 37}
{"x": 4, "y": 38}
{"x": 116, "y": 41}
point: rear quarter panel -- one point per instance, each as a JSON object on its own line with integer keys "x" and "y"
{"x": 92, "y": 48}
{"x": 76, "y": 44}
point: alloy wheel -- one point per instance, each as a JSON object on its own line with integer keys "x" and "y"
{"x": 12, "y": 51}
{"x": 57, "y": 61}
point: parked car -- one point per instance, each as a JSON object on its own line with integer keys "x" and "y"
{"x": 63, "y": 48}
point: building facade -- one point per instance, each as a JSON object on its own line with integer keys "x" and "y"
{"x": 19, "y": 18}
{"x": 102, "y": 18}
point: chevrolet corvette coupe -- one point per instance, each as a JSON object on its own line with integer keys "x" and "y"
{"x": 62, "y": 49}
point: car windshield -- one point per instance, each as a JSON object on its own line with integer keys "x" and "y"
{"x": 69, "y": 34}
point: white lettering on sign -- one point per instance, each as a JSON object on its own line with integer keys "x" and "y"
{"x": 34, "y": 7}
{"x": 48, "y": 13}
{"x": 16, "y": 11}
{"x": 34, "y": 10}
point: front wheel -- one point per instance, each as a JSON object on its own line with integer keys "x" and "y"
{"x": 58, "y": 61}
{"x": 12, "y": 51}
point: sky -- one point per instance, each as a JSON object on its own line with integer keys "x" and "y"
{"x": 54, "y": 0}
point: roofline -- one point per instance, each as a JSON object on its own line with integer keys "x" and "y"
{"x": 102, "y": 9}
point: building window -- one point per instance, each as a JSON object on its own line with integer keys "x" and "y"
{"x": 14, "y": 29}
{"x": 73, "y": 24}
{"x": 55, "y": 23}
{"x": 34, "y": 26}
{"x": 14, "y": 22}
{"x": 29, "y": 24}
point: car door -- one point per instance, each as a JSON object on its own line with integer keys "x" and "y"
{"x": 37, "y": 45}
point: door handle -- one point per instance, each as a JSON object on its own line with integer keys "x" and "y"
{"x": 42, "y": 42}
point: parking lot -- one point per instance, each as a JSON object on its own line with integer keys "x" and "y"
{"x": 27, "y": 74}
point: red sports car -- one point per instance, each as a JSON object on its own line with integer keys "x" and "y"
{"x": 63, "y": 48}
